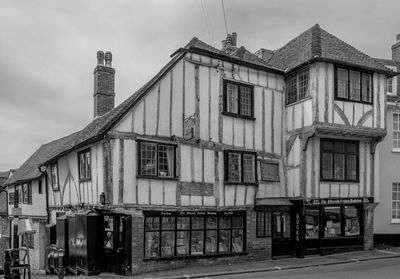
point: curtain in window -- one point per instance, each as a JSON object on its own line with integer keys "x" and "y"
{"x": 148, "y": 158}
{"x": 232, "y": 98}
{"x": 165, "y": 160}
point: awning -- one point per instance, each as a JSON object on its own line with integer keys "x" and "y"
{"x": 273, "y": 204}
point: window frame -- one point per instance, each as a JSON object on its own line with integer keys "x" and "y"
{"x": 157, "y": 175}
{"x": 40, "y": 187}
{"x": 395, "y": 149}
{"x": 266, "y": 230}
{"x": 11, "y": 198}
{"x": 295, "y": 75}
{"x": 397, "y": 201}
{"x": 361, "y": 72}
{"x": 54, "y": 186}
{"x": 225, "y": 102}
{"x": 83, "y": 177}
{"x": 357, "y": 143}
{"x": 342, "y": 222}
{"x": 389, "y": 84}
{"x": 195, "y": 214}
{"x": 226, "y": 167}
{"x": 28, "y": 240}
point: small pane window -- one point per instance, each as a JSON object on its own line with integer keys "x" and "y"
{"x": 396, "y": 130}
{"x": 396, "y": 202}
{"x": 234, "y": 167}
{"x": 240, "y": 167}
{"x": 148, "y": 158}
{"x": 389, "y": 85}
{"x": 84, "y": 165}
{"x": 342, "y": 82}
{"x": 353, "y": 85}
{"x": 298, "y": 85}
{"x": 157, "y": 159}
{"x": 332, "y": 222}
{"x": 238, "y": 99}
{"x": 263, "y": 223}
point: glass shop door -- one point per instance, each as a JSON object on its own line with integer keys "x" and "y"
{"x": 115, "y": 238}
{"x": 281, "y": 235}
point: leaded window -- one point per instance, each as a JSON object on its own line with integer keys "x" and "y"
{"x": 263, "y": 224}
{"x": 238, "y": 99}
{"x": 353, "y": 85}
{"x": 396, "y": 131}
{"x": 84, "y": 163}
{"x": 396, "y": 202}
{"x": 156, "y": 159}
{"x": 339, "y": 160}
{"x": 240, "y": 167}
{"x": 298, "y": 85}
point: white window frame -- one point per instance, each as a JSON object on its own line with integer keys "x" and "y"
{"x": 395, "y": 201}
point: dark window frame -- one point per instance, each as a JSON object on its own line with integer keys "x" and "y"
{"x": 28, "y": 188}
{"x": 333, "y": 152}
{"x": 157, "y": 175}
{"x": 226, "y": 167}
{"x": 40, "y": 187}
{"x": 204, "y": 230}
{"x": 28, "y": 240}
{"x": 323, "y": 220}
{"x": 85, "y": 176}
{"x": 295, "y": 75}
{"x": 361, "y": 72}
{"x": 261, "y": 231}
{"x": 11, "y": 198}
{"x": 225, "y": 102}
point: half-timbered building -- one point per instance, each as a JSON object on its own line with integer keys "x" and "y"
{"x": 224, "y": 153}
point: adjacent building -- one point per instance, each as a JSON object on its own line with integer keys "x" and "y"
{"x": 223, "y": 154}
{"x": 387, "y": 213}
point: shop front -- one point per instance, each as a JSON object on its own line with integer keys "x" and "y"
{"x": 331, "y": 225}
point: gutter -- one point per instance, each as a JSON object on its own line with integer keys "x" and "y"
{"x": 47, "y": 193}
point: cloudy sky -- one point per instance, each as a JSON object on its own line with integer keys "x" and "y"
{"x": 48, "y": 49}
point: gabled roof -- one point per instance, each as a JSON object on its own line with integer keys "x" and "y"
{"x": 317, "y": 44}
{"x": 389, "y": 62}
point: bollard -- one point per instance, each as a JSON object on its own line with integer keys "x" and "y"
{"x": 60, "y": 268}
{"x": 6, "y": 264}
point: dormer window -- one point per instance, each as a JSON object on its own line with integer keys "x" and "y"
{"x": 298, "y": 85}
{"x": 353, "y": 85}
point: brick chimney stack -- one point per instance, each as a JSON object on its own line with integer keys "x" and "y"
{"x": 230, "y": 43}
{"x": 396, "y": 49}
{"x": 104, "y": 76}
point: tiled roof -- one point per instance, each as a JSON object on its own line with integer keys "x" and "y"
{"x": 389, "y": 62}
{"x": 316, "y": 43}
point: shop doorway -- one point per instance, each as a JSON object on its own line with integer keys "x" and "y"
{"x": 116, "y": 247}
{"x": 282, "y": 245}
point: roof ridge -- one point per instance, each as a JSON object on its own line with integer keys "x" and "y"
{"x": 316, "y": 49}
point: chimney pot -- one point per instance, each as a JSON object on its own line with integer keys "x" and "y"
{"x": 100, "y": 58}
{"x": 398, "y": 38}
{"x": 108, "y": 57}
{"x": 223, "y": 44}
{"x": 228, "y": 40}
{"x": 234, "y": 39}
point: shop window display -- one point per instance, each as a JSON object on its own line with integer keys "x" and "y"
{"x": 352, "y": 221}
{"x": 332, "y": 226}
{"x": 108, "y": 232}
{"x": 179, "y": 235}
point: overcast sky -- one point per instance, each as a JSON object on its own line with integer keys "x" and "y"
{"x": 48, "y": 50}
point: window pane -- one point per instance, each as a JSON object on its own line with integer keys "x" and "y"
{"x": 269, "y": 171}
{"x": 211, "y": 222}
{"x": 286, "y": 224}
{"x": 182, "y": 243}
{"x": 152, "y": 223}
{"x": 166, "y": 160}
{"x": 339, "y": 146}
{"x": 81, "y": 166}
{"x": 339, "y": 166}
{"x": 260, "y": 223}
{"x": 355, "y": 86}
{"x": 389, "y": 83}
{"x": 224, "y": 241}
{"x": 327, "y": 145}
{"x": 151, "y": 244}
{"x": 211, "y": 241}
{"x": 332, "y": 222}
{"x": 277, "y": 231}
{"x": 312, "y": 224}
{"x": 167, "y": 243}
{"x": 237, "y": 222}
{"x": 234, "y": 167}
{"x": 342, "y": 83}
{"x": 87, "y": 165}
{"x": 168, "y": 223}
{"x": 327, "y": 166}
{"x": 351, "y": 167}
{"x": 197, "y": 222}
{"x": 183, "y": 223}
{"x": 366, "y": 87}
{"x": 352, "y": 221}
{"x": 249, "y": 168}
{"x": 225, "y": 222}
{"x": 303, "y": 77}
{"x": 237, "y": 241}
{"x": 148, "y": 158}
{"x": 245, "y": 101}
{"x": 197, "y": 242}
{"x": 351, "y": 147}
{"x": 232, "y": 98}
{"x": 291, "y": 89}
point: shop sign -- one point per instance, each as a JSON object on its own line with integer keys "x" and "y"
{"x": 337, "y": 201}
{"x": 297, "y": 228}
{"x": 193, "y": 213}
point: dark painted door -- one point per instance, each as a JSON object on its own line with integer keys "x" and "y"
{"x": 282, "y": 244}
{"x": 116, "y": 233}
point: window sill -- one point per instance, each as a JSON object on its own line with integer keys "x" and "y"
{"x": 238, "y": 115}
{"x": 353, "y": 101}
{"x": 396, "y": 150}
{"x": 299, "y": 101}
{"x": 395, "y": 222}
{"x": 339, "y": 181}
{"x": 156, "y": 177}
{"x": 227, "y": 183}
{"x": 270, "y": 180}
{"x": 85, "y": 180}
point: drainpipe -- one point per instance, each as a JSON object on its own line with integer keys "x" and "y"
{"x": 44, "y": 172}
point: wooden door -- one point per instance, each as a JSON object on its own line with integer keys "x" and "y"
{"x": 282, "y": 244}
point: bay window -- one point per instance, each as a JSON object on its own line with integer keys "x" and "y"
{"x": 353, "y": 85}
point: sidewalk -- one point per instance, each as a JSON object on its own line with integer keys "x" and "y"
{"x": 196, "y": 271}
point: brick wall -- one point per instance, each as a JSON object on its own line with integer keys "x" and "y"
{"x": 5, "y": 236}
{"x": 369, "y": 226}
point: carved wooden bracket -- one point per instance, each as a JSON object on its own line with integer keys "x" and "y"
{"x": 374, "y": 143}
{"x": 289, "y": 143}
{"x": 305, "y": 137}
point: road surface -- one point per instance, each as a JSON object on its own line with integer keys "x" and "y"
{"x": 376, "y": 269}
